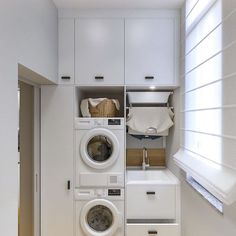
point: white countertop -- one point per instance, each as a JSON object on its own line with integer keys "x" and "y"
{"x": 151, "y": 176}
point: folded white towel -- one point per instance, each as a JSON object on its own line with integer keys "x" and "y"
{"x": 150, "y": 120}
{"x": 84, "y": 106}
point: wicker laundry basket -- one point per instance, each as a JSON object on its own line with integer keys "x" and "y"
{"x": 106, "y": 108}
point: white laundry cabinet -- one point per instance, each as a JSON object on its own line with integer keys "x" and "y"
{"x": 134, "y": 50}
{"x": 66, "y": 51}
{"x": 57, "y": 160}
{"x": 99, "y": 51}
{"x": 151, "y": 51}
{"x": 152, "y": 207}
{"x": 152, "y": 229}
{"x": 154, "y": 202}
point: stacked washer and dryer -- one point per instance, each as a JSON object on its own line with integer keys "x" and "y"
{"x": 100, "y": 165}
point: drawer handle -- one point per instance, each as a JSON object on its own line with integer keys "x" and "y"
{"x": 68, "y": 185}
{"x": 149, "y": 77}
{"x": 152, "y": 232}
{"x": 150, "y": 193}
{"x": 99, "y": 77}
{"x": 65, "y": 77}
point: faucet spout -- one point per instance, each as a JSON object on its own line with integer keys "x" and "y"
{"x": 145, "y": 163}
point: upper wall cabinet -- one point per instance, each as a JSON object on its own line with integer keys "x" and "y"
{"x": 151, "y": 52}
{"x": 99, "y": 51}
{"x": 66, "y": 51}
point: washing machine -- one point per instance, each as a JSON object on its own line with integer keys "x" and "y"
{"x": 100, "y": 152}
{"x": 99, "y": 212}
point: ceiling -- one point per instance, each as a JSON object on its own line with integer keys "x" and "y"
{"x": 120, "y": 4}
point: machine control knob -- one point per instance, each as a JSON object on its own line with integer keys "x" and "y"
{"x": 98, "y": 122}
{"x": 100, "y": 193}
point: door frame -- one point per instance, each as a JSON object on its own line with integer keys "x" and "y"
{"x": 37, "y": 161}
{"x": 36, "y": 156}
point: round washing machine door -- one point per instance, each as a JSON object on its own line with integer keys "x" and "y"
{"x": 100, "y": 217}
{"x": 99, "y": 148}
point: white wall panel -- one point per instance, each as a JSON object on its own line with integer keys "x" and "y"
{"x": 228, "y": 6}
{"x": 28, "y": 32}
{"x": 229, "y": 29}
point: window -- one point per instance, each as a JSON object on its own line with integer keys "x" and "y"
{"x": 208, "y": 140}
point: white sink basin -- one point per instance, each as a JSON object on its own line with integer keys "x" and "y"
{"x": 160, "y": 176}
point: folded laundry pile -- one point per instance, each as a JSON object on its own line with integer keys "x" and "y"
{"x": 154, "y": 121}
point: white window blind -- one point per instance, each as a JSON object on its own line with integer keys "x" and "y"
{"x": 208, "y": 129}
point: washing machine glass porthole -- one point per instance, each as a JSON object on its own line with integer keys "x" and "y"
{"x": 100, "y": 218}
{"x": 99, "y": 148}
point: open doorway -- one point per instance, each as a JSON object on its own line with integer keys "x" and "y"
{"x": 29, "y": 160}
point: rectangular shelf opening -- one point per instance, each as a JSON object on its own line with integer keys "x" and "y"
{"x": 110, "y": 92}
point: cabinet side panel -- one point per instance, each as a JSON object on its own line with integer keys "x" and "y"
{"x": 56, "y": 160}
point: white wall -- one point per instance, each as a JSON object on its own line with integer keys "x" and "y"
{"x": 198, "y": 217}
{"x": 28, "y": 35}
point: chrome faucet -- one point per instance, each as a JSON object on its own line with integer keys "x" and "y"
{"x": 145, "y": 163}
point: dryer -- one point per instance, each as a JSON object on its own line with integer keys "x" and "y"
{"x": 99, "y": 212}
{"x": 100, "y": 152}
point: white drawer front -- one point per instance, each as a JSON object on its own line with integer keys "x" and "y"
{"x": 152, "y": 230}
{"x": 151, "y": 202}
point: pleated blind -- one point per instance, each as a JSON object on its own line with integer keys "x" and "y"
{"x": 208, "y": 129}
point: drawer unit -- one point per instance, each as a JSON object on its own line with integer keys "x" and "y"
{"x": 151, "y": 201}
{"x": 152, "y": 229}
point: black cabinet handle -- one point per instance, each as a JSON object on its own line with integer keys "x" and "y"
{"x": 65, "y": 77}
{"x": 150, "y": 193}
{"x": 99, "y": 77}
{"x": 149, "y": 77}
{"x": 68, "y": 184}
{"x": 152, "y": 232}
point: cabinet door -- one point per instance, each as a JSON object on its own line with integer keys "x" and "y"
{"x": 57, "y": 160}
{"x": 99, "y": 51}
{"x": 66, "y": 51}
{"x": 152, "y": 229}
{"x": 150, "y": 51}
{"x": 155, "y": 202}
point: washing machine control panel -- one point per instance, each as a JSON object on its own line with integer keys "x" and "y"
{"x": 114, "y": 122}
{"x": 90, "y": 123}
{"x": 100, "y": 193}
{"x": 114, "y": 192}
{"x": 106, "y": 193}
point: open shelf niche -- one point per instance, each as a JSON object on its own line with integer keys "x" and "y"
{"x": 156, "y": 147}
{"x": 111, "y": 92}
